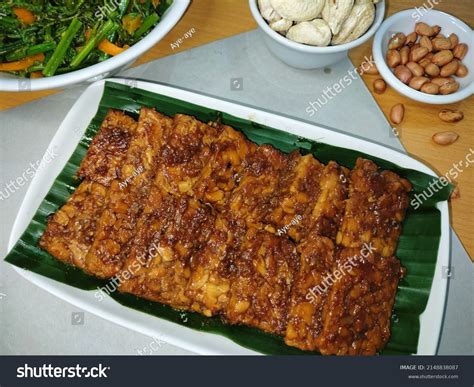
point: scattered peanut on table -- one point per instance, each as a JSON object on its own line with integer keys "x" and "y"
{"x": 397, "y": 113}
{"x": 445, "y": 138}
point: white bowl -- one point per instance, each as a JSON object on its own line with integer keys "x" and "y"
{"x": 303, "y": 56}
{"x": 405, "y": 21}
{"x": 103, "y": 69}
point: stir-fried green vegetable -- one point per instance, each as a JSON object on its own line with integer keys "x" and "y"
{"x": 49, "y": 37}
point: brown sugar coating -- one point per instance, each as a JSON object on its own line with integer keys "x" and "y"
{"x": 196, "y": 216}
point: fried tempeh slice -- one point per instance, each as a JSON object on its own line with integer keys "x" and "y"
{"x": 375, "y": 208}
{"x": 210, "y": 280}
{"x": 69, "y": 234}
{"x": 108, "y": 149}
{"x": 184, "y": 155}
{"x": 327, "y": 213}
{"x": 358, "y": 310}
{"x": 126, "y": 196}
{"x": 71, "y": 229}
{"x": 221, "y": 174}
{"x": 298, "y": 189}
{"x": 253, "y": 199}
{"x": 309, "y": 292}
{"x": 310, "y": 199}
{"x": 170, "y": 230}
{"x": 261, "y": 279}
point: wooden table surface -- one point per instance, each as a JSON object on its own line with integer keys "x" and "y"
{"x": 218, "y": 19}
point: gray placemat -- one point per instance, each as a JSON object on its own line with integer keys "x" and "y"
{"x": 239, "y": 69}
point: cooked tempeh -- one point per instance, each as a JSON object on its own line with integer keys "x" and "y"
{"x": 70, "y": 231}
{"x": 261, "y": 279}
{"x": 108, "y": 149}
{"x": 185, "y": 153}
{"x": 253, "y": 198}
{"x": 298, "y": 190}
{"x": 170, "y": 231}
{"x": 375, "y": 209}
{"x": 221, "y": 175}
{"x": 309, "y": 292}
{"x": 210, "y": 280}
{"x": 125, "y": 198}
{"x": 358, "y": 310}
{"x": 197, "y": 217}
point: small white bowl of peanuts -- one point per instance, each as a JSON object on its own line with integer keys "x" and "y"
{"x": 426, "y": 55}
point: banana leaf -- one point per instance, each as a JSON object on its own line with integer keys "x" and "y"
{"x": 417, "y": 249}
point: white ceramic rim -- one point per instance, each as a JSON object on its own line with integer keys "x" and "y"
{"x": 207, "y": 343}
{"x": 392, "y": 80}
{"x": 171, "y": 17}
{"x": 379, "y": 15}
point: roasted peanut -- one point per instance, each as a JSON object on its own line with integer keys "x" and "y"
{"x": 432, "y": 70}
{"x": 441, "y": 44}
{"x": 449, "y": 88}
{"x": 440, "y": 81}
{"x": 424, "y": 62}
{"x": 404, "y": 53}
{"x": 454, "y": 39}
{"x": 462, "y": 71}
{"x": 417, "y": 82}
{"x": 426, "y": 42}
{"x": 403, "y": 73}
{"x": 445, "y": 138}
{"x": 443, "y": 57}
{"x": 393, "y": 58}
{"x": 397, "y": 113}
{"x": 424, "y": 29}
{"x": 416, "y": 69}
{"x": 397, "y": 41}
{"x": 411, "y": 39}
{"x": 449, "y": 69}
{"x": 430, "y": 88}
{"x": 448, "y": 115}
{"x": 380, "y": 86}
{"x": 436, "y": 30}
{"x": 460, "y": 51}
{"x": 417, "y": 54}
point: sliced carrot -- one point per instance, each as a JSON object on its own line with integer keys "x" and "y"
{"x": 155, "y": 3}
{"x": 21, "y": 64}
{"x": 24, "y": 15}
{"x": 88, "y": 34}
{"x": 131, "y": 23}
{"x": 36, "y": 74}
{"x": 110, "y": 48}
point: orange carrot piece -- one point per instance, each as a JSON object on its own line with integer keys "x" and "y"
{"x": 21, "y": 64}
{"x": 110, "y": 48}
{"x": 24, "y": 15}
{"x": 88, "y": 34}
{"x": 36, "y": 74}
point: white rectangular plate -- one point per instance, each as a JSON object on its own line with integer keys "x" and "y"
{"x": 67, "y": 138}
